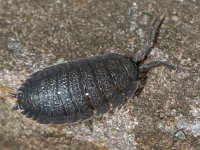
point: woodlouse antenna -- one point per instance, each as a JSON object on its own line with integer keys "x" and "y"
{"x": 151, "y": 39}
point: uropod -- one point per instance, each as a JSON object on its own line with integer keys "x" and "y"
{"x": 78, "y": 90}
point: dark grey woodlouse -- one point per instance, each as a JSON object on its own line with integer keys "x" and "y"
{"x": 78, "y": 90}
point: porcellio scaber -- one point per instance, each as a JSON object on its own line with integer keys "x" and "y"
{"x": 79, "y": 90}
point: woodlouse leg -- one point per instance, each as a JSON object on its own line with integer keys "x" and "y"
{"x": 89, "y": 124}
{"x": 88, "y": 99}
{"x": 149, "y": 66}
{"x": 151, "y": 38}
{"x": 15, "y": 107}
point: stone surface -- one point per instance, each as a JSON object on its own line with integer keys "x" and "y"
{"x": 35, "y": 34}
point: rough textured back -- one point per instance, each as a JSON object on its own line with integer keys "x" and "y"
{"x": 78, "y": 90}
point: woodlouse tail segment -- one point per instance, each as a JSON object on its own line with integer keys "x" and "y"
{"x": 151, "y": 39}
{"x": 17, "y": 105}
{"x": 14, "y": 95}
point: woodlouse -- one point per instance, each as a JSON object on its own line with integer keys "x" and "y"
{"x": 78, "y": 90}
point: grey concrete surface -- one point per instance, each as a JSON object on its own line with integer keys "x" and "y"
{"x": 166, "y": 115}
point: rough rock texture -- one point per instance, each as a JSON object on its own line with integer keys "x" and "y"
{"x": 166, "y": 115}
